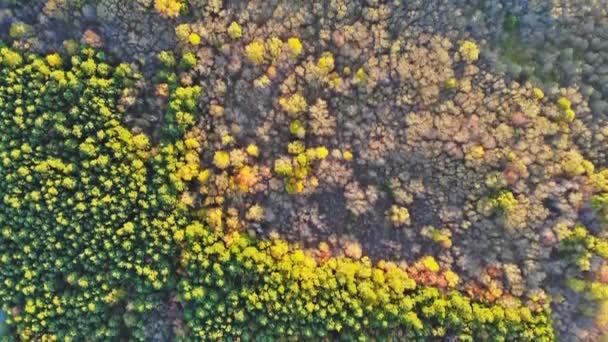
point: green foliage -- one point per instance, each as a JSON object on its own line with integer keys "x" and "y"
{"x": 296, "y": 170}
{"x": 592, "y": 290}
{"x": 451, "y": 83}
{"x": 510, "y": 23}
{"x": 580, "y": 246}
{"x": 188, "y": 61}
{"x": 19, "y": 29}
{"x": 503, "y": 202}
{"x": 268, "y": 292}
{"x": 564, "y": 105}
{"x": 167, "y": 58}
{"x": 83, "y": 220}
{"x": 297, "y": 128}
{"x": 600, "y": 204}
{"x": 183, "y": 111}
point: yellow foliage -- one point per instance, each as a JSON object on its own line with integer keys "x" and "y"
{"x": 475, "y": 153}
{"x": 279, "y": 249}
{"x": 429, "y": 263}
{"x": 255, "y": 52}
{"x": 294, "y": 186}
{"x": 255, "y": 213}
{"x": 274, "y": 46}
{"x": 234, "y": 30}
{"x": 54, "y": 60}
{"x": 563, "y": 103}
{"x": 204, "y": 175}
{"x": 360, "y": 76}
{"x": 302, "y": 161}
{"x": 261, "y": 82}
{"x": 297, "y": 128}
{"x": 196, "y": 229}
{"x": 194, "y": 39}
{"x": 325, "y": 64}
{"x": 182, "y": 32}
{"x": 221, "y": 159}
{"x": 296, "y": 147}
{"x": 538, "y": 93}
{"x": 214, "y": 218}
{"x": 451, "y": 83}
{"x": 187, "y": 172}
{"x": 141, "y": 141}
{"x": 253, "y": 150}
{"x": 602, "y": 314}
{"x": 600, "y": 180}
{"x": 168, "y": 8}
{"x": 294, "y": 104}
{"x": 295, "y": 46}
{"x": 191, "y": 143}
{"x": 469, "y": 51}
{"x": 13, "y": 58}
{"x": 452, "y": 278}
{"x": 227, "y": 140}
{"x": 321, "y": 152}
{"x": 574, "y": 164}
{"x": 569, "y": 115}
{"x": 399, "y": 216}
{"x": 283, "y": 167}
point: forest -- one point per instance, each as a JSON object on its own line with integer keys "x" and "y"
{"x": 193, "y": 170}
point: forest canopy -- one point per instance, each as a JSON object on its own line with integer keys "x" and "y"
{"x": 95, "y": 242}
